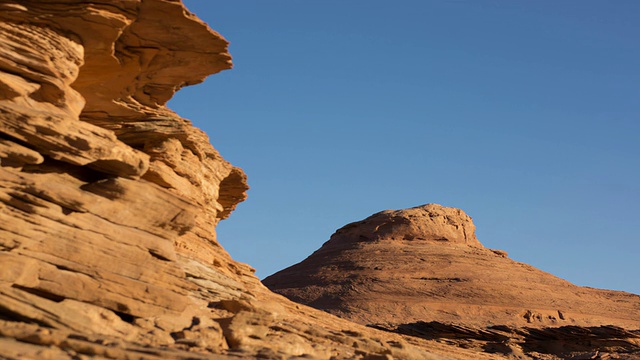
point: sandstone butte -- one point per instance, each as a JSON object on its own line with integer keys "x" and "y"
{"x": 423, "y": 272}
{"x": 108, "y": 208}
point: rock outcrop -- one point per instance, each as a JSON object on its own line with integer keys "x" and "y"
{"x": 421, "y": 271}
{"x": 109, "y": 201}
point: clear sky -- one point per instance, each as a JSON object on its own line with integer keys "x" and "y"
{"x": 525, "y": 114}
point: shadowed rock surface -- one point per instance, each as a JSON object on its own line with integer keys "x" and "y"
{"x": 421, "y": 271}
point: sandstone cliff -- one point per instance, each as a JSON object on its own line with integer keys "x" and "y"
{"x": 109, "y": 201}
{"x": 421, "y": 271}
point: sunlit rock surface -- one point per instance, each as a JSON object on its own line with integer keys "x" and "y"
{"x": 109, "y": 202}
{"x": 422, "y": 272}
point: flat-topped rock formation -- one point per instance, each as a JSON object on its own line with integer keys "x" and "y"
{"x": 421, "y": 269}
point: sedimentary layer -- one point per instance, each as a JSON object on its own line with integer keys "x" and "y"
{"x": 422, "y": 271}
{"x": 109, "y": 202}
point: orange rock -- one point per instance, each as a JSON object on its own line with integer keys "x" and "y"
{"x": 421, "y": 271}
{"x": 109, "y": 202}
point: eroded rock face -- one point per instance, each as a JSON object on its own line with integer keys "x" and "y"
{"x": 421, "y": 271}
{"x": 89, "y": 148}
{"x": 431, "y": 222}
{"x": 109, "y": 202}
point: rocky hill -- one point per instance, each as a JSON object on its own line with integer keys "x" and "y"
{"x": 109, "y": 203}
{"x": 422, "y": 271}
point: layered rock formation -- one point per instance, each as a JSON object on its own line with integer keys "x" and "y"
{"x": 422, "y": 271}
{"x": 109, "y": 201}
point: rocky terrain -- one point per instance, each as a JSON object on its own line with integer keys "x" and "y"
{"x": 423, "y": 272}
{"x": 109, "y": 203}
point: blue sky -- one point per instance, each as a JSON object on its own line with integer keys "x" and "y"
{"x": 525, "y": 114}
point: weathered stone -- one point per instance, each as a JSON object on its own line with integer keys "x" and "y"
{"x": 398, "y": 270}
{"x": 14, "y": 154}
{"x": 430, "y": 222}
{"x": 109, "y": 203}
